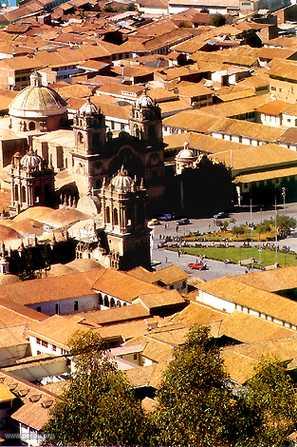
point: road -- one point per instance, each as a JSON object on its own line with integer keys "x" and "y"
{"x": 216, "y": 268}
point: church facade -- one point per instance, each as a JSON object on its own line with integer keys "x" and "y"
{"x": 111, "y": 179}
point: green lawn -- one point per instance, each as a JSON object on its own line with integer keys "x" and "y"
{"x": 236, "y": 254}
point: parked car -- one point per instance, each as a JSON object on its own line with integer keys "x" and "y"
{"x": 153, "y": 222}
{"x": 184, "y": 221}
{"x": 198, "y": 266}
{"x": 167, "y": 216}
{"x": 220, "y": 215}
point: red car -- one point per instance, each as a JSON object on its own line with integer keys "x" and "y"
{"x": 197, "y": 266}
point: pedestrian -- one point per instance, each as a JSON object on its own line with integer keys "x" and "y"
{"x": 166, "y": 259}
{"x": 176, "y": 228}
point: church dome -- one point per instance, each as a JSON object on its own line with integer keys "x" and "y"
{"x": 186, "y": 153}
{"x": 122, "y": 182}
{"x": 145, "y": 101}
{"x": 30, "y": 161}
{"x": 89, "y": 108}
{"x": 37, "y": 100}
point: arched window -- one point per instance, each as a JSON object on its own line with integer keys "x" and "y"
{"x": 100, "y": 299}
{"x": 107, "y": 214}
{"x": 23, "y": 194}
{"x": 106, "y": 302}
{"x": 32, "y": 125}
{"x": 119, "y": 304}
{"x": 115, "y": 217}
{"x": 16, "y": 192}
{"x": 112, "y": 302}
{"x": 80, "y": 138}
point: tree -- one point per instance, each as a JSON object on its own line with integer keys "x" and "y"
{"x": 284, "y": 225}
{"x": 194, "y": 399}
{"x": 266, "y": 409}
{"x": 98, "y": 406}
{"x": 218, "y": 20}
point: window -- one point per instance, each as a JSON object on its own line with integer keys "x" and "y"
{"x": 44, "y": 343}
{"x": 38, "y": 341}
{"x": 38, "y": 308}
{"x": 54, "y": 348}
{"x": 115, "y": 217}
{"x": 57, "y": 308}
{"x": 75, "y": 307}
{"x": 135, "y": 356}
{"x": 107, "y": 214}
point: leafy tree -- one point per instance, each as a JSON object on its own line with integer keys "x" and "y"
{"x": 218, "y": 20}
{"x": 266, "y": 409}
{"x": 284, "y": 225}
{"x": 194, "y": 398}
{"x": 97, "y": 407}
{"x": 239, "y": 229}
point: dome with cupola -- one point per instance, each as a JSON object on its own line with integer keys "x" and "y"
{"x": 144, "y": 101}
{"x": 37, "y": 107}
{"x": 122, "y": 182}
{"x": 31, "y": 161}
{"x": 89, "y": 108}
{"x": 186, "y": 153}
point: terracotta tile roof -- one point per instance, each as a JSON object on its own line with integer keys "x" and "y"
{"x": 116, "y": 315}
{"x": 199, "y": 142}
{"x": 282, "y": 69}
{"x": 247, "y": 129}
{"x": 146, "y": 376}
{"x": 250, "y": 158}
{"x": 273, "y": 108}
{"x": 258, "y": 300}
{"x": 283, "y": 349}
{"x": 238, "y": 366}
{"x": 33, "y": 415}
{"x": 289, "y": 136}
{"x": 272, "y": 281}
{"x": 12, "y": 336}
{"x": 122, "y": 285}
{"x": 51, "y": 288}
{"x": 191, "y": 120}
{"x": 239, "y": 106}
{"x": 59, "y": 329}
{"x": 266, "y": 175}
{"x": 160, "y": 300}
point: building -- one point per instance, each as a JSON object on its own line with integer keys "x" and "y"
{"x": 32, "y": 182}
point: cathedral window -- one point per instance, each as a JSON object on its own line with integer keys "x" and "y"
{"x": 16, "y": 193}
{"x": 115, "y": 217}
{"x": 107, "y": 214}
{"x": 23, "y": 194}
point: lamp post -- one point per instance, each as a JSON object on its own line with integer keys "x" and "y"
{"x": 283, "y": 193}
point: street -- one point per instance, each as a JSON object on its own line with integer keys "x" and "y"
{"x": 162, "y": 256}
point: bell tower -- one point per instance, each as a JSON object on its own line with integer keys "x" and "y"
{"x": 146, "y": 122}
{"x": 32, "y": 182}
{"x": 123, "y": 213}
{"x": 89, "y": 129}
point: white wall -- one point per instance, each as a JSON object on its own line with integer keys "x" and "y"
{"x": 41, "y": 348}
{"x": 217, "y": 303}
{"x": 67, "y": 306}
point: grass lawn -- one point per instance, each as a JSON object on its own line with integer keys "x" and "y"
{"x": 236, "y": 254}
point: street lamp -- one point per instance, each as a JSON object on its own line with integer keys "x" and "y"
{"x": 283, "y": 193}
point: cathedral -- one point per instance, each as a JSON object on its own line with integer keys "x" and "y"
{"x": 84, "y": 152}
{"x": 104, "y": 182}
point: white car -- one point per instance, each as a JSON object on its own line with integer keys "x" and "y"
{"x": 153, "y": 222}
